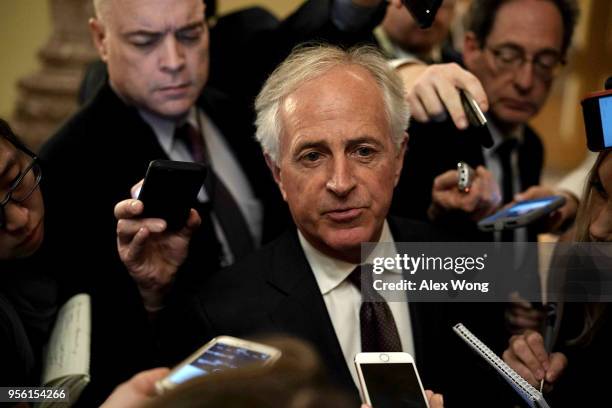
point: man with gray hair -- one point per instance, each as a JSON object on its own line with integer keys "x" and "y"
{"x": 331, "y": 124}
{"x": 156, "y": 105}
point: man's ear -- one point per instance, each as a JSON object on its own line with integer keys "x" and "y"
{"x": 276, "y": 173}
{"x": 98, "y": 35}
{"x": 400, "y": 159}
{"x": 472, "y": 49}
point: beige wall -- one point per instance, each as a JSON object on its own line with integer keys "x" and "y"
{"x": 24, "y": 27}
{"x": 280, "y": 7}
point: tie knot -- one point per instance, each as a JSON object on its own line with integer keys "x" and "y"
{"x": 361, "y": 274}
{"x": 192, "y": 139}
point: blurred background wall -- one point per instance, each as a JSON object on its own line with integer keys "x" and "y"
{"x": 45, "y": 44}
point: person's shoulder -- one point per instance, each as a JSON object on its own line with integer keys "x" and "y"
{"x": 532, "y": 137}
{"x": 83, "y": 126}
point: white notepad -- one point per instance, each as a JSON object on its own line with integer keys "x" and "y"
{"x": 66, "y": 363}
{"x": 533, "y": 397}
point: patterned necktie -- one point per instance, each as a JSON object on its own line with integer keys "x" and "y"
{"x": 378, "y": 330}
{"x": 504, "y": 152}
{"x": 223, "y": 204}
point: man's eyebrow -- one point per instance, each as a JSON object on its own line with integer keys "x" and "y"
{"x": 148, "y": 33}
{"x": 142, "y": 32}
{"x": 520, "y": 48}
{"x": 191, "y": 26}
{"x": 310, "y": 144}
{"x": 364, "y": 139}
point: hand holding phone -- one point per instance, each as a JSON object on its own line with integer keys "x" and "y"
{"x": 220, "y": 354}
{"x": 170, "y": 190}
{"x": 521, "y": 214}
{"x": 390, "y": 380}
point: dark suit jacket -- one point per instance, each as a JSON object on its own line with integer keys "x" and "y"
{"x": 103, "y": 150}
{"x": 27, "y": 312}
{"x": 274, "y": 291}
{"x": 90, "y": 165}
{"x": 434, "y": 148}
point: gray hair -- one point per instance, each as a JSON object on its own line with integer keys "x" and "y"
{"x": 308, "y": 62}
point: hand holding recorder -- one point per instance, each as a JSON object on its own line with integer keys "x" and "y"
{"x": 450, "y": 193}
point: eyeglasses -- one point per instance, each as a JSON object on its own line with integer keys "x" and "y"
{"x": 510, "y": 58}
{"x": 22, "y": 187}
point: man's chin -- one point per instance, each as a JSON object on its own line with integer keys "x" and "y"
{"x": 174, "y": 109}
{"x": 348, "y": 240}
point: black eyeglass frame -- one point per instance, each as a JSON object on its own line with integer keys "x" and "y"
{"x": 543, "y": 71}
{"x": 33, "y": 166}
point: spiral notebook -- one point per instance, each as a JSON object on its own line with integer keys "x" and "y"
{"x": 533, "y": 397}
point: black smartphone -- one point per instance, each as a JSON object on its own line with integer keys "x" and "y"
{"x": 476, "y": 119}
{"x": 423, "y": 11}
{"x": 597, "y": 112}
{"x": 170, "y": 190}
{"x": 521, "y": 214}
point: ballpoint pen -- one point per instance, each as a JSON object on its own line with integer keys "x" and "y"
{"x": 551, "y": 317}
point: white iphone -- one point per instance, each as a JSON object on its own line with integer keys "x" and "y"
{"x": 390, "y": 380}
{"x": 221, "y": 353}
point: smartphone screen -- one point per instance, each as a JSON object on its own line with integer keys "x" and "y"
{"x": 605, "y": 111}
{"x": 597, "y": 112}
{"x": 218, "y": 358}
{"x": 523, "y": 208}
{"x": 393, "y": 385}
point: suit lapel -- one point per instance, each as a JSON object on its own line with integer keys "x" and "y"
{"x": 303, "y": 311}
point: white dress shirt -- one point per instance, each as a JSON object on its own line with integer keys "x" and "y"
{"x": 223, "y": 162}
{"x": 493, "y": 164}
{"x": 343, "y": 299}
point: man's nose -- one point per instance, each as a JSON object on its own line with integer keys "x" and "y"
{"x": 601, "y": 224}
{"x": 524, "y": 77}
{"x": 341, "y": 181}
{"x": 172, "y": 55}
{"x": 16, "y": 217}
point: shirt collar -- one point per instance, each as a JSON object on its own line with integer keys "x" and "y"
{"x": 499, "y": 137}
{"x": 330, "y": 272}
{"x": 164, "y": 128}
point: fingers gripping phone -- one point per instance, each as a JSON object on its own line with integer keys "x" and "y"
{"x": 390, "y": 380}
{"x": 219, "y": 354}
{"x": 170, "y": 190}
